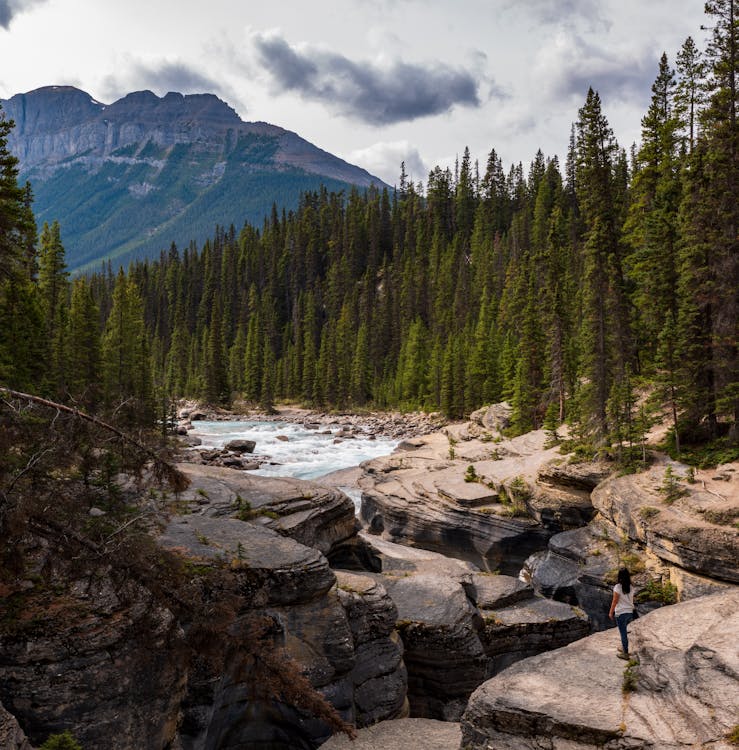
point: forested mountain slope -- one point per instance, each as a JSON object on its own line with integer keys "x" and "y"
{"x": 127, "y": 179}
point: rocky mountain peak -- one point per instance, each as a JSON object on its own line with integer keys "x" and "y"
{"x": 205, "y": 109}
{"x": 50, "y": 109}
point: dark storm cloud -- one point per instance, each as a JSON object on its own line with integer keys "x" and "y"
{"x": 618, "y": 77}
{"x": 363, "y": 90}
{"x": 10, "y": 8}
{"x": 173, "y": 76}
{"x": 162, "y": 77}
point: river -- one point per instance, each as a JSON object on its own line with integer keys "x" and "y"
{"x": 306, "y": 454}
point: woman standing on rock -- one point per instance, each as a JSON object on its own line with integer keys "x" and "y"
{"x": 622, "y": 607}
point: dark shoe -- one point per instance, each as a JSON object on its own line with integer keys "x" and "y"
{"x": 622, "y": 654}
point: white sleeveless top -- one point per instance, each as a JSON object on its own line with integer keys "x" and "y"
{"x": 625, "y": 601}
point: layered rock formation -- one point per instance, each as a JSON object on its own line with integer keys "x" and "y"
{"x": 106, "y": 660}
{"x": 460, "y": 626}
{"x": 683, "y": 693}
{"x": 469, "y": 493}
{"x": 273, "y": 533}
{"x": 694, "y": 531}
{"x": 93, "y": 654}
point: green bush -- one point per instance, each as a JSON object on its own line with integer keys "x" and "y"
{"x": 671, "y": 488}
{"x": 63, "y": 741}
{"x": 631, "y": 676}
{"x": 656, "y": 591}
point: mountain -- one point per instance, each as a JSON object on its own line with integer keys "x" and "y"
{"x": 127, "y": 179}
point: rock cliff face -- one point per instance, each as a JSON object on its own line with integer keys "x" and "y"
{"x": 106, "y": 660}
{"x": 91, "y": 654}
{"x": 684, "y": 691}
{"x": 460, "y": 626}
{"x": 12, "y": 736}
{"x": 128, "y": 178}
{"x": 693, "y": 532}
{"x": 689, "y": 542}
{"x": 274, "y": 533}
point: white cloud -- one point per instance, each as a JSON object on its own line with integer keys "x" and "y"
{"x": 384, "y": 159}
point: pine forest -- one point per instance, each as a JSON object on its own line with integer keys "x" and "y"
{"x": 599, "y": 292}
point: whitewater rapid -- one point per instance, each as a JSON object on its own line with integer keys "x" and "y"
{"x": 306, "y": 454}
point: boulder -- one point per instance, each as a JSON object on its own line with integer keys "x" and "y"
{"x": 241, "y": 446}
{"x": 413, "y": 734}
{"x": 494, "y": 418}
{"x": 683, "y": 693}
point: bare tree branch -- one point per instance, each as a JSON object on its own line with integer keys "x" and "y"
{"x": 175, "y": 477}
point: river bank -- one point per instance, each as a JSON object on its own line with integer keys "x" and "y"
{"x": 390, "y": 424}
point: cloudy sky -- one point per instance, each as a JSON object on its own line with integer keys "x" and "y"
{"x": 373, "y": 81}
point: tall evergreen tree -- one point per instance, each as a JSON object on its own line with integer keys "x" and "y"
{"x": 125, "y": 353}
{"x": 54, "y": 290}
{"x": 605, "y": 339}
{"x": 84, "y": 373}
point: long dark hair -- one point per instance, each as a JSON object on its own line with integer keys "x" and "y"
{"x": 624, "y": 578}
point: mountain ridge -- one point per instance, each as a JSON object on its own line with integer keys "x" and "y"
{"x": 171, "y": 167}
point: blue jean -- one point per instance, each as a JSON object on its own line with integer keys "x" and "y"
{"x": 622, "y": 621}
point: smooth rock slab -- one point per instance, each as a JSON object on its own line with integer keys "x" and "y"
{"x": 311, "y": 514}
{"x": 686, "y": 694}
{"x": 275, "y": 569}
{"x": 401, "y": 734}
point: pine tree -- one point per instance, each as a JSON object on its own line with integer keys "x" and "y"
{"x": 651, "y": 227}
{"x": 84, "y": 367}
{"x": 125, "y": 353}
{"x": 216, "y": 377}
{"x": 22, "y": 360}
{"x": 708, "y": 320}
{"x": 54, "y": 291}
{"x": 689, "y": 91}
{"x": 604, "y": 341}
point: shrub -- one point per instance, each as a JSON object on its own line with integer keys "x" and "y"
{"x": 631, "y": 677}
{"x": 671, "y": 488}
{"x": 63, "y": 741}
{"x": 471, "y": 475}
{"x": 656, "y": 591}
